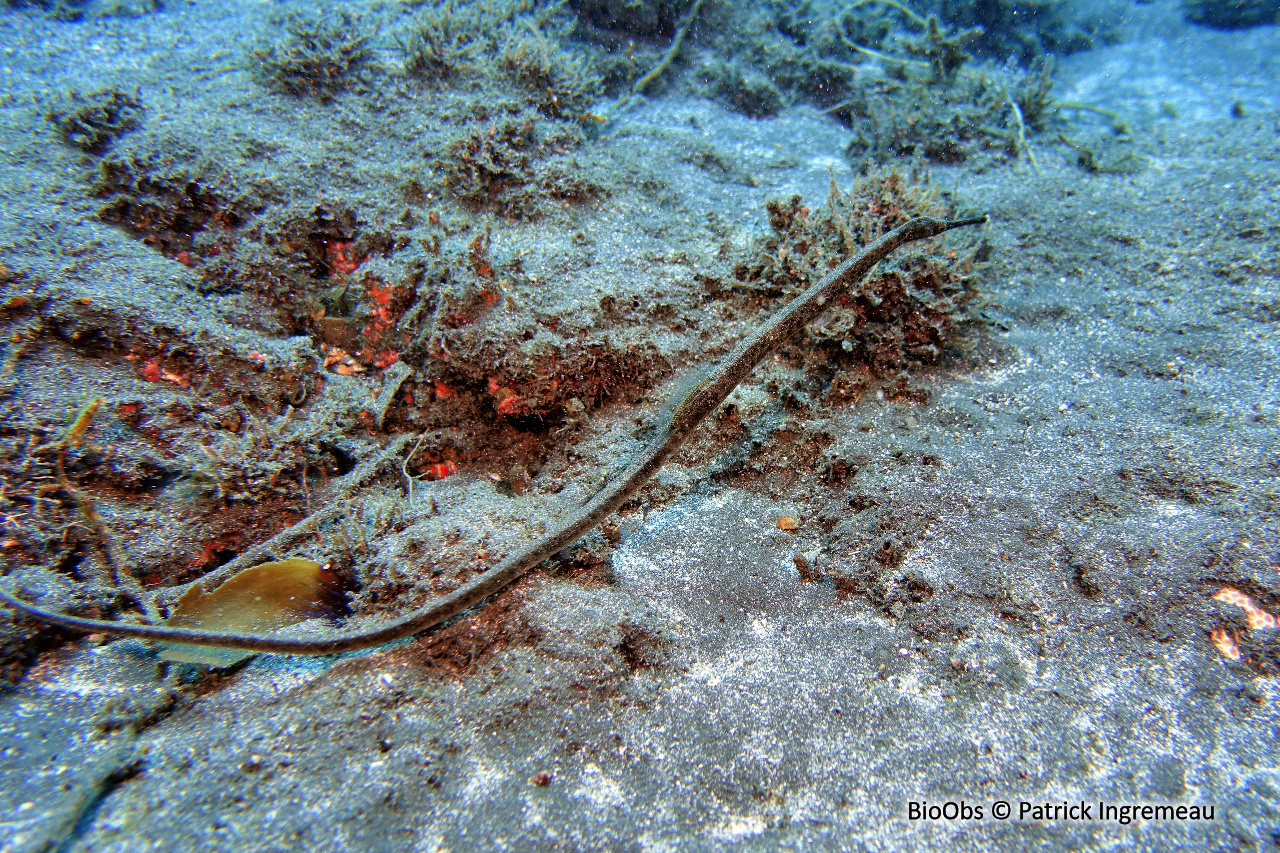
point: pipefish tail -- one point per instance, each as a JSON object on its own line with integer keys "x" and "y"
{"x": 701, "y": 401}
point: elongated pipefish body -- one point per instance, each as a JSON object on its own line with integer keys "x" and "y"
{"x": 701, "y": 401}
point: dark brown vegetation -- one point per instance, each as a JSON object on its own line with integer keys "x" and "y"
{"x": 903, "y": 317}
{"x": 317, "y": 57}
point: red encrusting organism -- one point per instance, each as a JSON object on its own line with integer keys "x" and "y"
{"x": 440, "y": 470}
{"x": 341, "y": 258}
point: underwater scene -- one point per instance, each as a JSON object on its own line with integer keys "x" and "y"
{"x": 639, "y": 425}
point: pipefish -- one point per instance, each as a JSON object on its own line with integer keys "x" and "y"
{"x": 699, "y": 402}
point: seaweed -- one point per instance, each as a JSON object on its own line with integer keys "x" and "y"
{"x": 527, "y": 94}
{"x": 1031, "y": 94}
{"x": 92, "y": 122}
{"x": 562, "y": 83}
{"x": 810, "y": 52}
{"x": 42, "y": 509}
{"x": 316, "y": 58}
{"x": 943, "y": 51}
{"x": 904, "y": 316}
{"x": 941, "y": 108}
{"x": 477, "y": 37}
{"x": 290, "y": 256}
{"x": 168, "y": 212}
{"x": 907, "y": 84}
{"x": 481, "y": 166}
{"x": 514, "y": 165}
{"x": 914, "y": 115}
{"x": 448, "y": 39}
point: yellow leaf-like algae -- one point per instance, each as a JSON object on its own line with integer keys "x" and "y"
{"x": 258, "y": 600}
